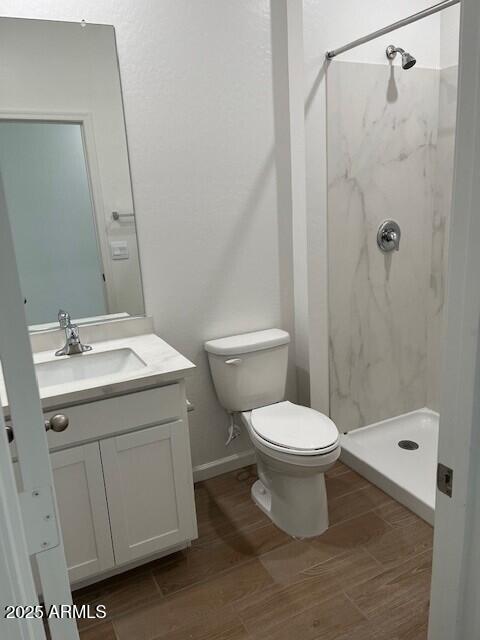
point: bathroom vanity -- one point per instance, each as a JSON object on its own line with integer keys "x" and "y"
{"x": 122, "y": 468}
{"x": 117, "y": 413}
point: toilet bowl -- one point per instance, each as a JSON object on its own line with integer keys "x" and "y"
{"x": 294, "y": 445}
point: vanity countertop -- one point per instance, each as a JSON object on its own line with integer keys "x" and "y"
{"x": 161, "y": 364}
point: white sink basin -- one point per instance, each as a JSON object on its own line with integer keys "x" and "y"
{"x": 81, "y": 367}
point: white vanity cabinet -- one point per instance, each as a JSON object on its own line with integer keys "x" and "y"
{"x": 148, "y": 489}
{"x": 83, "y": 511}
{"x": 127, "y": 492}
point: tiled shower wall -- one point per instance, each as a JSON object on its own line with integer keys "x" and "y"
{"x": 441, "y": 213}
{"x": 385, "y": 311}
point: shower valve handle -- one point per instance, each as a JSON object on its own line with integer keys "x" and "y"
{"x": 391, "y": 236}
{"x": 388, "y": 236}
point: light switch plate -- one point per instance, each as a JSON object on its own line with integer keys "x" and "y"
{"x": 119, "y": 250}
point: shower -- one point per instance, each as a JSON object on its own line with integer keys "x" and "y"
{"x": 408, "y": 61}
{"x": 390, "y": 155}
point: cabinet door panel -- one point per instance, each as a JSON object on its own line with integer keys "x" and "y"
{"x": 83, "y": 512}
{"x": 149, "y": 490}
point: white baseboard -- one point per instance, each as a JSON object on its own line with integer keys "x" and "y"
{"x": 223, "y": 465}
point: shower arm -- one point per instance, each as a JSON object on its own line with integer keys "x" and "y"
{"x": 392, "y": 27}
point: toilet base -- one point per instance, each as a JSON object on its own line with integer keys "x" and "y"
{"x": 295, "y": 501}
{"x": 262, "y": 497}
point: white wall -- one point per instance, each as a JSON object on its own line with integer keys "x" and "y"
{"x": 450, "y": 32}
{"x": 197, "y": 84}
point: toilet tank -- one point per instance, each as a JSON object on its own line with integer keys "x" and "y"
{"x": 249, "y": 370}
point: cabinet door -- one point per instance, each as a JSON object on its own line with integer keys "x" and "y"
{"x": 83, "y": 512}
{"x": 149, "y": 485}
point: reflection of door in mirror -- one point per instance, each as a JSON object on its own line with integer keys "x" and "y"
{"x": 43, "y": 166}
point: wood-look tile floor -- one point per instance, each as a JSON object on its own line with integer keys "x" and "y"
{"x": 366, "y": 578}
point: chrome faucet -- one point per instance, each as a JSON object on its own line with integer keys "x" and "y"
{"x": 73, "y": 343}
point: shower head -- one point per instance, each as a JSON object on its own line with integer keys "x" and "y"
{"x": 408, "y": 61}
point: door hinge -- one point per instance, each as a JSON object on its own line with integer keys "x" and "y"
{"x": 39, "y": 519}
{"x": 445, "y": 479}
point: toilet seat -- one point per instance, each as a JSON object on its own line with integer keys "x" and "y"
{"x": 294, "y": 429}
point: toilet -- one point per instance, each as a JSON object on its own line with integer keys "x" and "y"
{"x": 294, "y": 445}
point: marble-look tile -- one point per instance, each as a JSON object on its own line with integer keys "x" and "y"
{"x": 441, "y": 216}
{"x": 382, "y": 129}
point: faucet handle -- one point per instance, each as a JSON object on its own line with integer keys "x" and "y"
{"x": 388, "y": 236}
{"x": 73, "y": 332}
{"x": 392, "y": 236}
{"x": 63, "y": 318}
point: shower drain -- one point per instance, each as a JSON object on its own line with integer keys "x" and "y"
{"x": 410, "y": 445}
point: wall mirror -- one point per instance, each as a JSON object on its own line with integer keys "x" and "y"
{"x": 65, "y": 171}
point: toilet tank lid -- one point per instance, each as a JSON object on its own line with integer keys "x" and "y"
{"x": 247, "y": 342}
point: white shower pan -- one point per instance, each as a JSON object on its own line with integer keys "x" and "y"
{"x": 408, "y": 475}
